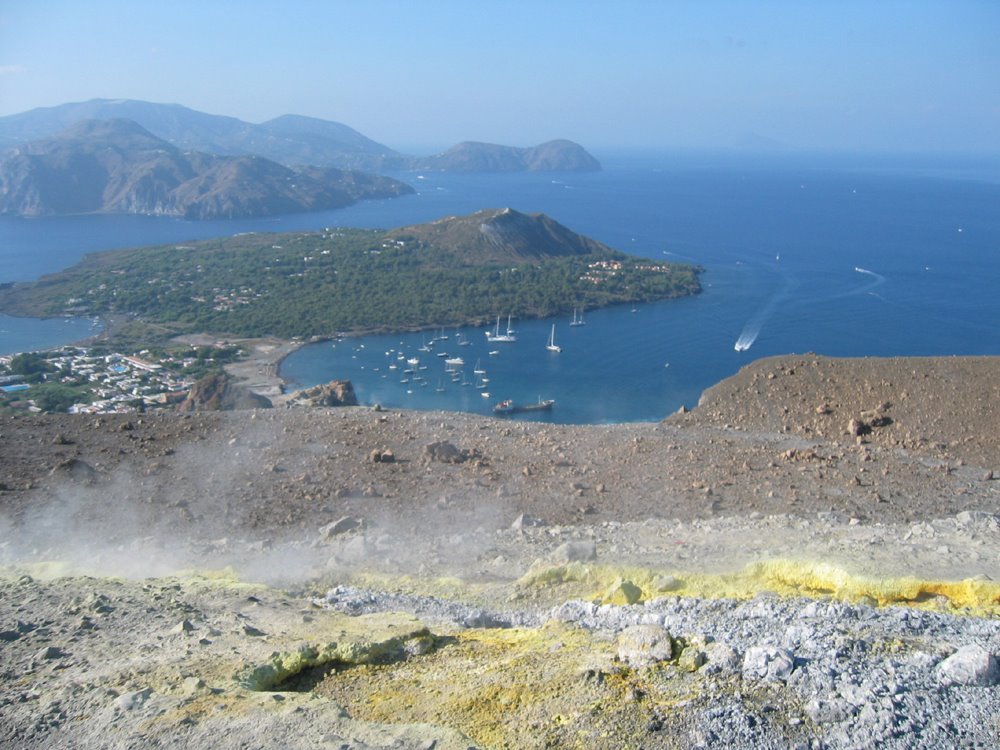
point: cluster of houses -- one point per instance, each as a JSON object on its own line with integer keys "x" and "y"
{"x": 601, "y": 270}
{"x": 116, "y": 382}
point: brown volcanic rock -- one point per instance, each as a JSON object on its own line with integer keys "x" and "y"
{"x": 948, "y": 406}
{"x": 334, "y": 393}
{"x": 764, "y": 470}
{"x": 755, "y": 445}
{"x": 219, "y": 393}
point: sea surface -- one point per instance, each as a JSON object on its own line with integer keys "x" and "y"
{"x": 860, "y": 257}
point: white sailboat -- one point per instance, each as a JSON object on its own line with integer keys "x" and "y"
{"x": 478, "y": 369}
{"x": 577, "y": 318}
{"x": 502, "y": 338}
{"x": 552, "y": 346}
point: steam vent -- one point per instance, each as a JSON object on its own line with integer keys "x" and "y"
{"x": 808, "y": 559}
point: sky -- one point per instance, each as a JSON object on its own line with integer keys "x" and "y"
{"x": 878, "y": 75}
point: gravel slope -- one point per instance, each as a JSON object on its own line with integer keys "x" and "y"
{"x": 865, "y": 480}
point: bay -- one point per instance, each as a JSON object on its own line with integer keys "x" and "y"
{"x": 802, "y": 254}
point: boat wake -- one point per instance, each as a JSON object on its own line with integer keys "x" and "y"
{"x": 753, "y": 327}
{"x": 746, "y": 339}
{"x": 878, "y": 278}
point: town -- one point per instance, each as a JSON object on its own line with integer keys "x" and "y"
{"x": 83, "y": 380}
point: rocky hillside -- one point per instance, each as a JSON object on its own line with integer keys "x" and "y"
{"x": 808, "y": 559}
{"x": 116, "y": 166}
{"x": 501, "y": 235}
{"x": 291, "y": 140}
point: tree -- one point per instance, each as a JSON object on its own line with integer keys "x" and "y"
{"x": 30, "y": 363}
{"x": 53, "y": 397}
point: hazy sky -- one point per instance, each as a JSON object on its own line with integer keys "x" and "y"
{"x": 877, "y": 74}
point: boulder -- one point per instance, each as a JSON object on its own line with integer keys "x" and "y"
{"x": 970, "y": 665}
{"x": 721, "y": 658}
{"x": 381, "y": 456}
{"x": 767, "y": 663}
{"x": 644, "y": 645}
{"x": 576, "y": 551}
{"x": 622, "y": 593}
{"x": 218, "y": 392}
{"x": 858, "y": 427}
{"x": 334, "y": 393}
{"x": 524, "y": 521}
{"x": 74, "y": 468}
{"x": 338, "y": 527}
{"x": 444, "y": 452}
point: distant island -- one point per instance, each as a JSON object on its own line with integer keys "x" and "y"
{"x": 117, "y": 166}
{"x": 554, "y": 156}
{"x": 457, "y": 270}
{"x": 291, "y": 140}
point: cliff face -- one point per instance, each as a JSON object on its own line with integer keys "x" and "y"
{"x": 116, "y": 166}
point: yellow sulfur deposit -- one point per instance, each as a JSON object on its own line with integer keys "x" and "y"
{"x": 783, "y": 577}
{"x": 553, "y": 686}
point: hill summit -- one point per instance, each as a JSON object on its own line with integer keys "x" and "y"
{"x": 501, "y": 235}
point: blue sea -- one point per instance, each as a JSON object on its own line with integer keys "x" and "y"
{"x": 842, "y": 257}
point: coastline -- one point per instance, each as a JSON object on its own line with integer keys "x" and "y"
{"x": 258, "y": 371}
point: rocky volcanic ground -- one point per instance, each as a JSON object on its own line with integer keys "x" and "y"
{"x": 805, "y": 560}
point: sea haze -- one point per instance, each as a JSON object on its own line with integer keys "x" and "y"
{"x": 801, "y": 255}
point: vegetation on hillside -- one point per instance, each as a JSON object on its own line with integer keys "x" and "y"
{"x": 308, "y": 284}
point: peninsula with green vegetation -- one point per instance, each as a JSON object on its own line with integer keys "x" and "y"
{"x": 457, "y": 270}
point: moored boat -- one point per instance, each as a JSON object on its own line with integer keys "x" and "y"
{"x": 503, "y": 338}
{"x": 552, "y": 346}
{"x": 508, "y": 406}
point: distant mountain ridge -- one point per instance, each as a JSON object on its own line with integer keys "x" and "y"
{"x": 117, "y": 166}
{"x": 291, "y": 140}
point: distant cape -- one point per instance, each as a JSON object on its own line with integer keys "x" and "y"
{"x": 553, "y": 156}
{"x": 291, "y": 140}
